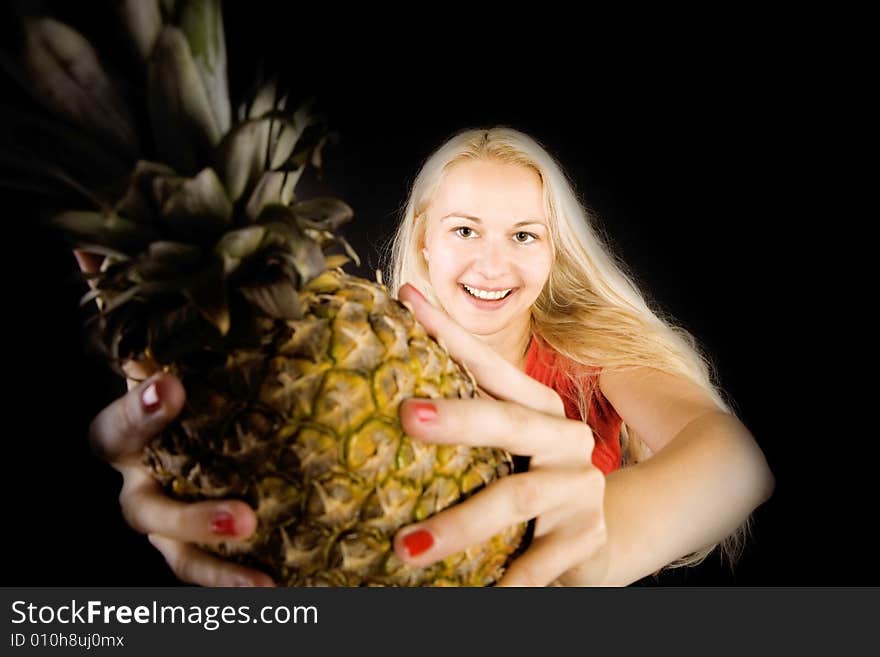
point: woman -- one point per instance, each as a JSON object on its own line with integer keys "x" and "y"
{"x": 499, "y": 260}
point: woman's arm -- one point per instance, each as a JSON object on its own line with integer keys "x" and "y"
{"x": 698, "y": 490}
{"x": 706, "y": 476}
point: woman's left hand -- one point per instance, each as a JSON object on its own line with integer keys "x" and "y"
{"x": 562, "y": 490}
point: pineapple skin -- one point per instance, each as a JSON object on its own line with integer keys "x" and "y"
{"x": 305, "y": 428}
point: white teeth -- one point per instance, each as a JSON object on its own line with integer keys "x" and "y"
{"x": 482, "y": 294}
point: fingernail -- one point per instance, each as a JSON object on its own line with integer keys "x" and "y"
{"x": 150, "y": 398}
{"x": 425, "y": 411}
{"x": 241, "y": 580}
{"x": 223, "y": 524}
{"x": 418, "y": 542}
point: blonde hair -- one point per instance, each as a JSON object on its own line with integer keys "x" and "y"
{"x": 590, "y": 310}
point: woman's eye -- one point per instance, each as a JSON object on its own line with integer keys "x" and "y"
{"x": 525, "y": 238}
{"x": 464, "y": 231}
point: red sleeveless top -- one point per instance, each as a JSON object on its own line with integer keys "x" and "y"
{"x": 541, "y": 365}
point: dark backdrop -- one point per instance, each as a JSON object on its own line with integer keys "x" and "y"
{"x": 682, "y": 144}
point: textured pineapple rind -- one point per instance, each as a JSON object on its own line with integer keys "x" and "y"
{"x": 306, "y": 430}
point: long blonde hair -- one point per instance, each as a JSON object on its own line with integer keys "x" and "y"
{"x": 590, "y": 310}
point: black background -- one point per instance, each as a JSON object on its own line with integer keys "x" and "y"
{"x": 687, "y": 144}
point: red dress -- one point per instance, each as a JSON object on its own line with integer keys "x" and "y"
{"x": 542, "y": 363}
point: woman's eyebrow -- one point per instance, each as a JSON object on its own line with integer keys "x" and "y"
{"x": 463, "y": 215}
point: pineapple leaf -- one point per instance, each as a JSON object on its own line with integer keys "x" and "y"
{"x": 138, "y": 203}
{"x": 317, "y": 159}
{"x": 285, "y": 136}
{"x": 264, "y": 101}
{"x": 336, "y": 261}
{"x": 175, "y": 253}
{"x": 306, "y": 258}
{"x": 195, "y": 209}
{"x": 289, "y": 242}
{"x": 183, "y": 121}
{"x": 244, "y": 152}
{"x": 308, "y": 147}
{"x": 65, "y": 74}
{"x": 108, "y": 229}
{"x": 118, "y": 300}
{"x": 323, "y": 213}
{"x": 100, "y": 249}
{"x": 240, "y": 156}
{"x": 207, "y": 292}
{"x": 150, "y": 291}
{"x": 238, "y": 245}
{"x": 348, "y": 249}
{"x": 278, "y": 298}
{"x": 274, "y": 187}
{"x": 89, "y": 296}
{"x": 142, "y": 21}
{"x": 115, "y": 333}
{"x": 176, "y": 334}
{"x": 55, "y": 146}
{"x": 169, "y": 9}
{"x": 167, "y": 260}
{"x": 202, "y": 23}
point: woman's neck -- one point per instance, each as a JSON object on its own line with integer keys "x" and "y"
{"x": 511, "y": 345}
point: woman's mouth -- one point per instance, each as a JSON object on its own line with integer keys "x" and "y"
{"x": 486, "y": 299}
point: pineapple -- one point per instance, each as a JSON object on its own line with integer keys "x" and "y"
{"x": 217, "y": 272}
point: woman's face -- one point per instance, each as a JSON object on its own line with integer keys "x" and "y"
{"x": 487, "y": 236}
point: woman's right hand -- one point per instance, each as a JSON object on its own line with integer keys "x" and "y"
{"x": 118, "y": 434}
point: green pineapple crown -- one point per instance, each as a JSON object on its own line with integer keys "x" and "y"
{"x": 196, "y": 216}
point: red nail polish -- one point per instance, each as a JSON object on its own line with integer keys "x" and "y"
{"x": 223, "y": 524}
{"x": 417, "y": 542}
{"x": 425, "y": 411}
{"x": 150, "y": 398}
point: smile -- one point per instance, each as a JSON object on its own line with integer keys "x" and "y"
{"x": 487, "y": 295}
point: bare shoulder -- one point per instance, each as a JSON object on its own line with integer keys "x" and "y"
{"x": 657, "y": 405}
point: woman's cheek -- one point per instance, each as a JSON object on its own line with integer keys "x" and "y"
{"x": 538, "y": 272}
{"x": 443, "y": 270}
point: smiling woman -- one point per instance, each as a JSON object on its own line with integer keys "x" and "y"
{"x": 483, "y": 268}
{"x": 494, "y": 236}
{"x": 630, "y": 461}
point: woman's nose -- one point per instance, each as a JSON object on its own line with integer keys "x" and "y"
{"x": 493, "y": 260}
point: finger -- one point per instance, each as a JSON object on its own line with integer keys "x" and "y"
{"x": 89, "y": 263}
{"x": 551, "y": 556}
{"x": 506, "y": 425}
{"x": 504, "y": 503}
{"x": 493, "y": 373}
{"x": 195, "y": 566}
{"x": 148, "y": 510}
{"x": 123, "y": 428}
{"x": 591, "y": 572}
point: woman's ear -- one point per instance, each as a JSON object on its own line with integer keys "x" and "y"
{"x": 425, "y": 253}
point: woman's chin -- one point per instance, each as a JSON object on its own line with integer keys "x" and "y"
{"x": 478, "y": 323}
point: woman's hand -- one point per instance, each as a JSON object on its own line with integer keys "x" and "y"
{"x": 119, "y": 433}
{"x": 562, "y": 490}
